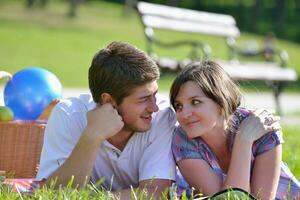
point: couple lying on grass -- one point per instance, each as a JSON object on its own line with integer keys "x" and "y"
{"x": 127, "y": 136}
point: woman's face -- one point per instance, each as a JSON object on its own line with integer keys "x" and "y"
{"x": 196, "y": 113}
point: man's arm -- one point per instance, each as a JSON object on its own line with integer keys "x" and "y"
{"x": 79, "y": 164}
{"x": 102, "y": 123}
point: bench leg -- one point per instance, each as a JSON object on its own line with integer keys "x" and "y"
{"x": 277, "y": 89}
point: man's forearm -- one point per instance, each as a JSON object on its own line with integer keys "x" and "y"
{"x": 79, "y": 164}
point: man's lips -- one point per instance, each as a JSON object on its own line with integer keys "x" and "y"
{"x": 147, "y": 118}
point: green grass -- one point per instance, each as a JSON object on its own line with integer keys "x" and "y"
{"x": 291, "y": 149}
{"x": 65, "y": 46}
{"x": 291, "y": 152}
{"x": 47, "y": 38}
{"x": 295, "y": 113}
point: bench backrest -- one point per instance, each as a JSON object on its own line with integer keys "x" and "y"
{"x": 186, "y": 20}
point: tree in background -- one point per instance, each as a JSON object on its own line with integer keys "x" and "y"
{"x": 280, "y": 12}
{"x": 129, "y": 6}
{"x": 173, "y": 3}
{"x": 73, "y": 7}
{"x": 256, "y": 14}
{"x": 31, "y": 3}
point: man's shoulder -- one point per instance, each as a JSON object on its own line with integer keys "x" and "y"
{"x": 165, "y": 114}
{"x": 162, "y": 101}
{"x": 78, "y": 104}
{"x": 163, "y": 124}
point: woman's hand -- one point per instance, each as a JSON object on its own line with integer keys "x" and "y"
{"x": 257, "y": 124}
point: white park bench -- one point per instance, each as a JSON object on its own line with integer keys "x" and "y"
{"x": 155, "y": 16}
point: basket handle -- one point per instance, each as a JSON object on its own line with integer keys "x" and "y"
{"x": 4, "y": 74}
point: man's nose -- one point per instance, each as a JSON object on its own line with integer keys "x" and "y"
{"x": 152, "y": 105}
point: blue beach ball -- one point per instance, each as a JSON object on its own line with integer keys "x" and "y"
{"x": 30, "y": 91}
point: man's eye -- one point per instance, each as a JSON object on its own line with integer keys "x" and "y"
{"x": 143, "y": 100}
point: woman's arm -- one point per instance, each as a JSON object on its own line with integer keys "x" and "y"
{"x": 251, "y": 129}
{"x": 200, "y": 176}
{"x": 266, "y": 173}
{"x": 238, "y": 174}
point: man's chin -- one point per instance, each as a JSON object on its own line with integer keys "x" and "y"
{"x": 143, "y": 128}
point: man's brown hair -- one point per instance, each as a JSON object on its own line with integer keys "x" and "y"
{"x": 118, "y": 69}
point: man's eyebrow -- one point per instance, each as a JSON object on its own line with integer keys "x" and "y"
{"x": 148, "y": 95}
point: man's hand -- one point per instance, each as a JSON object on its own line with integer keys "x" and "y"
{"x": 104, "y": 122}
{"x": 257, "y": 124}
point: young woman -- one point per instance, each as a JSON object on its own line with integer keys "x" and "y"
{"x": 220, "y": 145}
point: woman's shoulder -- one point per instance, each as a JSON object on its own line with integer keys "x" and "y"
{"x": 183, "y": 143}
{"x": 181, "y": 136}
{"x": 240, "y": 114}
{"x": 236, "y": 119}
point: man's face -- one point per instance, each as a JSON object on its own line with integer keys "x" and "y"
{"x": 137, "y": 108}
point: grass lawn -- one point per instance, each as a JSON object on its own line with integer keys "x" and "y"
{"x": 291, "y": 152}
{"x": 291, "y": 149}
{"x": 291, "y": 155}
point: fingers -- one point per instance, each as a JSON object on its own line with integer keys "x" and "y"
{"x": 276, "y": 118}
{"x": 104, "y": 121}
{"x": 273, "y": 127}
{"x": 260, "y": 111}
{"x": 111, "y": 108}
{"x": 266, "y": 117}
{"x": 268, "y": 120}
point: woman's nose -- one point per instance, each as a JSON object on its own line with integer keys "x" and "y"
{"x": 186, "y": 112}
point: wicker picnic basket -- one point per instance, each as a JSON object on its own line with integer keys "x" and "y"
{"x": 20, "y": 147}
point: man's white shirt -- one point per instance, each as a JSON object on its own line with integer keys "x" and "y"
{"x": 147, "y": 155}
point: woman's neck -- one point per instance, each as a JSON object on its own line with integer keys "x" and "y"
{"x": 217, "y": 140}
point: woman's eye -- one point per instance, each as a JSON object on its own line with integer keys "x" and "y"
{"x": 178, "y": 107}
{"x": 195, "y": 102}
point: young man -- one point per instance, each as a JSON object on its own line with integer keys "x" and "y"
{"x": 121, "y": 134}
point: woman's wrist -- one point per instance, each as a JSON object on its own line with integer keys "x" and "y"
{"x": 244, "y": 138}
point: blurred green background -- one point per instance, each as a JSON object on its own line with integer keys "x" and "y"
{"x": 45, "y": 36}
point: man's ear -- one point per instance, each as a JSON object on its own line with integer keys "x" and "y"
{"x": 107, "y": 98}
